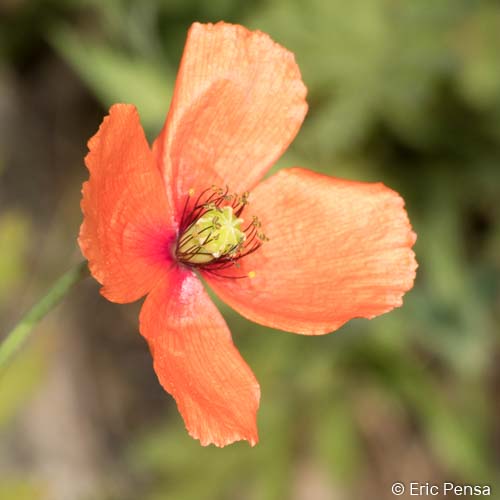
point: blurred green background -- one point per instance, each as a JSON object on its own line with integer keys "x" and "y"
{"x": 402, "y": 91}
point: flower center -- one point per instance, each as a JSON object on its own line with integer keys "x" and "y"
{"x": 213, "y": 236}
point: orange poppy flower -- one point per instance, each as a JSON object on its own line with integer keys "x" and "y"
{"x": 299, "y": 251}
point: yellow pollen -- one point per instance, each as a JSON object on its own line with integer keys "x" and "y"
{"x": 252, "y": 274}
{"x": 191, "y": 192}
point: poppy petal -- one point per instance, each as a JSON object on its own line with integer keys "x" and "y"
{"x": 337, "y": 250}
{"x": 197, "y": 362}
{"x": 238, "y": 103}
{"x": 127, "y": 225}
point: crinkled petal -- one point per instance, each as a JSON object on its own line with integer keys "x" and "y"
{"x": 197, "y": 362}
{"x": 238, "y": 103}
{"x": 337, "y": 250}
{"x": 126, "y": 232}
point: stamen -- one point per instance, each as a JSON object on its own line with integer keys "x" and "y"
{"x": 212, "y": 232}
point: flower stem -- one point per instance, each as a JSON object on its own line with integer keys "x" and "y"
{"x": 18, "y": 335}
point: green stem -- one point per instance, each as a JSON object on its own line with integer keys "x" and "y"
{"x": 16, "y": 337}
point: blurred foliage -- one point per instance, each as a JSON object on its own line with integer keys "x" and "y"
{"x": 18, "y": 382}
{"x": 19, "y": 489}
{"x": 20, "y": 379}
{"x": 105, "y": 70}
{"x": 14, "y": 233}
{"x": 403, "y": 91}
